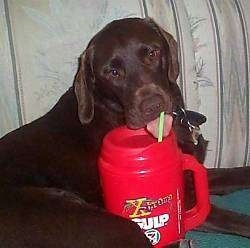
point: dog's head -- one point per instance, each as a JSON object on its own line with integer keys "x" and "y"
{"x": 131, "y": 66}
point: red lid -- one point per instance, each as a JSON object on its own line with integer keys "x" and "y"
{"x": 136, "y": 144}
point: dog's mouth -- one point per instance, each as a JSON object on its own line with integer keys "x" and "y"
{"x": 146, "y": 113}
{"x": 153, "y": 126}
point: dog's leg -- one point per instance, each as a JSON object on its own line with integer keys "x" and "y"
{"x": 54, "y": 218}
{"x": 222, "y": 181}
{"x": 184, "y": 243}
{"x": 226, "y": 221}
{"x": 226, "y": 180}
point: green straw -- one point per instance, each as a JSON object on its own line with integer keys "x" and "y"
{"x": 161, "y": 127}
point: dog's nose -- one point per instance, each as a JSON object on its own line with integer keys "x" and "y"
{"x": 151, "y": 107}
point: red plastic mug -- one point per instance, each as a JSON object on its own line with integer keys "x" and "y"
{"x": 143, "y": 180}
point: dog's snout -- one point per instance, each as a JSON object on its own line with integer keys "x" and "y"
{"x": 151, "y": 107}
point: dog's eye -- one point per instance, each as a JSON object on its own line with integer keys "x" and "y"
{"x": 114, "y": 73}
{"x": 153, "y": 53}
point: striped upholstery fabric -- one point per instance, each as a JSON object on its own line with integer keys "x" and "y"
{"x": 41, "y": 40}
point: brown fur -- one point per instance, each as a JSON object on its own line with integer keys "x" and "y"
{"x": 50, "y": 194}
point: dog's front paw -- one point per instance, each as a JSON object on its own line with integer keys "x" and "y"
{"x": 187, "y": 243}
{"x": 184, "y": 243}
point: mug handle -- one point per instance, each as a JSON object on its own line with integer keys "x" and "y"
{"x": 197, "y": 215}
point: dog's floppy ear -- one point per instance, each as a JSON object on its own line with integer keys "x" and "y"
{"x": 83, "y": 86}
{"x": 173, "y": 65}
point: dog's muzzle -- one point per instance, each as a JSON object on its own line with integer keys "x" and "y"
{"x": 151, "y": 107}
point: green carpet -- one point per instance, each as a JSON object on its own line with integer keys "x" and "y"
{"x": 237, "y": 201}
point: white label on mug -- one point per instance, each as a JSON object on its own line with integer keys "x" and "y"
{"x": 152, "y": 222}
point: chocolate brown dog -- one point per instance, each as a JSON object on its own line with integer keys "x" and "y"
{"x": 50, "y": 194}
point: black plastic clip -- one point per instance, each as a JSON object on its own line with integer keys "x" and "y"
{"x": 190, "y": 119}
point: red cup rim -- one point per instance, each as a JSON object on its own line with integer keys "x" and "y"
{"x": 114, "y": 141}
